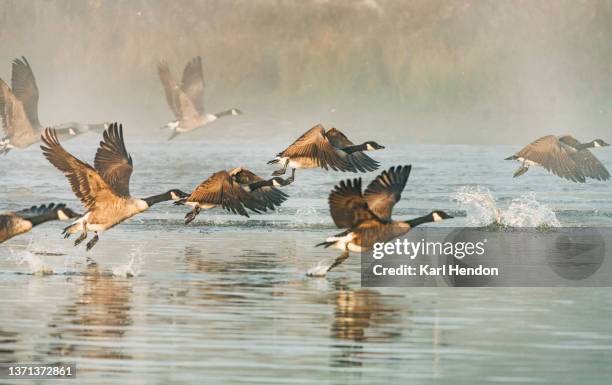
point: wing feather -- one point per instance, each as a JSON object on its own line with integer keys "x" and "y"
{"x": 385, "y": 191}
{"x": 25, "y": 89}
{"x": 85, "y": 181}
{"x": 113, "y": 162}
{"x": 14, "y": 118}
{"x": 192, "y": 83}
{"x": 314, "y": 145}
{"x": 347, "y": 205}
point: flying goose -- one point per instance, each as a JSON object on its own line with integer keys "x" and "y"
{"x": 19, "y": 111}
{"x": 187, "y": 100}
{"x": 235, "y": 190}
{"x": 564, "y": 156}
{"x": 367, "y": 215}
{"x": 331, "y": 149}
{"x": 103, "y": 189}
{"x": 15, "y": 223}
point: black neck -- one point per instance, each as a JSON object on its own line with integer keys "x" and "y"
{"x": 158, "y": 198}
{"x": 46, "y": 217}
{"x": 420, "y": 220}
{"x": 223, "y": 113}
{"x": 358, "y": 147}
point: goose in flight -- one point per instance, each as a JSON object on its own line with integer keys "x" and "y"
{"x": 19, "y": 222}
{"x": 19, "y": 111}
{"x": 367, "y": 215}
{"x": 235, "y": 190}
{"x": 564, "y": 156}
{"x": 104, "y": 189}
{"x": 326, "y": 149}
{"x": 187, "y": 100}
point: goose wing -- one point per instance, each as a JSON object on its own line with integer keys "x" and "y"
{"x": 385, "y": 191}
{"x": 221, "y": 189}
{"x": 14, "y": 118}
{"x": 590, "y": 166}
{"x": 25, "y": 89}
{"x": 347, "y": 205}
{"x": 39, "y": 210}
{"x": 314, "y": 145}
{"x": 171, "y": 89}
{"x": 359, "y": 159}
{"x": 192, "y": 83}
{"x": 269, "y": 196}
{"x": 85, "y": 181}
{"x": 555, "y": 156}
{"x": 113, "y": 162}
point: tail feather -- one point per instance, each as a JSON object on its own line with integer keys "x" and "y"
{"x": 274, "y": 161}
{"x": 512, "y": 157}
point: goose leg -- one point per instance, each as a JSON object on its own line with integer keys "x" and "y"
{"x": 292, "y": 177}
{"x": 192, "y": 214}
{"x": 92, "y": 242}
{"x": 523, "y": 169}
{"x": 339, "y": 260}
{"x": 83, "y": 235}
{"x": 282, "y": 170}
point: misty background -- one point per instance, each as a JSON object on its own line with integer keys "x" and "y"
{"x": 430, "y": 71}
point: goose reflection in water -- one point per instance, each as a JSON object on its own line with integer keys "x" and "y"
{"x": 96, "y": 320}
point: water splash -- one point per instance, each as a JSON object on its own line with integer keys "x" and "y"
{"x": 35, "y": 264}
{"x": 319, "y": 270}
{"x": 132, "y": 267}
{"x": 482, "y": 210}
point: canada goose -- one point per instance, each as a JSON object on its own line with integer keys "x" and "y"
{"x": 19, "y": 110}
{"x": 235, "y": 190}
{"x": 103, "y": 189}
{"x": 367, "y": 216}
{"x": 187, "y": 100}
{"x": 331, "y": 149}
{"x": 15, "y": 223}
{"x": 564, "y": 156}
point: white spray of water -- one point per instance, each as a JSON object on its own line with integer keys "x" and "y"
{"x": 524, "y": 211}
{"x": 319, "y": 270}
{"x": 35, "y": 263}
{"x": 132, "y": 267}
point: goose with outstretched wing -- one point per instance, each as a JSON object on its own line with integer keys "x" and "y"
{"x": 187, "y": 99}
{"x": 331, "y": 149}
{"x": 19, "y": 111}
{"x": 236, "y": 191}
{"x": 366, "y": 216}
{"x": 103, "y": 189}
{"x": 564, "y": 156}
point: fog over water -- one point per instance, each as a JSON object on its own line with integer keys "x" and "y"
{"x": 439, "y": 71}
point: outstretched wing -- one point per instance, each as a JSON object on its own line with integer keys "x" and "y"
{"x": 221, "y": 189}
{"x": 347, "y": 205}
{"x": 14, "y": 118}
{"x": 24, "y": 87}
{"x": 590, "y": 166}
{"x": 555, "y": 156}
{"x": 358, "y": 159}
{"x": 270, "y": 197}
{"x": 192, "y": 83}
{"x": 113, "y": 162}
{"x": 171, "y": 89}
{"x": 386, "y": 190}
{"x": 85, "y": 181}
{"x": 314, "y": 145}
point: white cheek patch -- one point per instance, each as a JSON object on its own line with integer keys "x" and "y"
{"x": 369, "y": 147}
{"x": 275, "y": 183}
{"x": 597, "y": 144}
{"x": 72, "y": 132}
{"x": 62, "y": 215}
{"x": 437, "y": 217}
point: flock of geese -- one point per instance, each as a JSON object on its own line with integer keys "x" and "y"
{"x": 104, "y": 188}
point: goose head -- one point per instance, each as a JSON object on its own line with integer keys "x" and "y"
{"x": 372, "y": 146}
